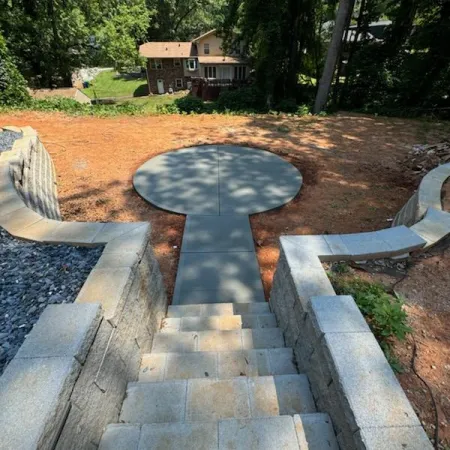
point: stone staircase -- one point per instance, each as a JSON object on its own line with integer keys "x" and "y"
{"x": 219, "y": 377}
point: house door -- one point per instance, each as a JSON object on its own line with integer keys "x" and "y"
{"x": 160, "y": 84}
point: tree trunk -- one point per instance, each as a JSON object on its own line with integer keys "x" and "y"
{"x": 345, "y": 8}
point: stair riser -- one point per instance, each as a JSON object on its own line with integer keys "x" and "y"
{"x": 221, "y": 323}
{"x": 218, "y": 341}
{"x": 201, "y": 400}
{"x": 222, "y": 309}
{"x": 222, "y": 365}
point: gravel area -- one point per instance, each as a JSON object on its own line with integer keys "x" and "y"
{"x": 7, "y": 139}
{"x": 32, "y": 276}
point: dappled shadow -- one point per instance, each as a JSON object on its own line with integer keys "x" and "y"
{"x": 141, "y": 90}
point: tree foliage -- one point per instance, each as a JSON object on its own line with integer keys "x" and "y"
{"x": 13, "y": 87}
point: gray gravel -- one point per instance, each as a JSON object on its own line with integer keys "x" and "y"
{"x": 32, "y": 276}
{"x": 7, "y": 139}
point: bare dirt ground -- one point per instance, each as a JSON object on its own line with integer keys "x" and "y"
{"x": 353, "y": 181}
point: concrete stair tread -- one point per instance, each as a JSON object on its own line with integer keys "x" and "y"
{"x": 214, "y": 340}
{"x": 217, "y": 309}
{"x": 200, "y": 400}
{"x": 219, "y": 322}
{"x": 301, "y": 432}
{"x": 222, "y": 365}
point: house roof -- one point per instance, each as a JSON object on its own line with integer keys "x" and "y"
{"x": 166, "y": 49}
{"x": 204, "y": 35}
{"x": 221, "y": 60}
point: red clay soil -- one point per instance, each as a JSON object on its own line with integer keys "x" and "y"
{"x": 353, "y": 181}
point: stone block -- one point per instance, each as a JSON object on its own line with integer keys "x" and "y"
{"x": 362, "y": 374}
{"x": 395, "y": 438}
{"x": 315, "y": 432}
{"x": 336, "y": 314}
{"x": 296, "y": 247}
{"x": 180, "y": 366}
{"x": 135, "y": 241}
{"x": 366, "y": 245}
{"x": 117, "y": 261}
{"x": 110, "y": 231}
{"x": 121, "y": 437}
{"x": 281, "y": 361}
{"x": 280, "y": 395}
{"x": 337, "y": 246}
{"x": 264, "y": 320}
{"x": 75, "y": 233}
{"x": 267, "y": 433}
{"x": 63, "y": 331}
{"x": 153, "y": 367}
{"x": 222, "y": 323}
{"x": 262, "y": 338}
{"x": 175, "y": 342}
{"x": 180, "y": 436}
{"x": 10, "y": 201}
{"x": 34, "y": 400}
{"x": 162, "y": 402}
{"x": 110, "y": 288}
{"x": 401, "y": 239}
{"x": 209, "y": 399}
{"x": 19, "y": 219}
{"x": 39, "y": 230}
{"x": 248, "y": 363}
{"x": 219, "y": 341}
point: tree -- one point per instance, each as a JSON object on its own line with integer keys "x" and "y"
{"x": 345, "y": 9}
{"x": 13, "y": 87}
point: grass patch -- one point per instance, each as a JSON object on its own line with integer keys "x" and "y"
{"x": 384, "y": 313}
{"x": 151, "y": 103}
{"x": 113, "y": 84}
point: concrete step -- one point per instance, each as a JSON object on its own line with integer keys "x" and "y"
{"x": 217, "y": 341}
{"x": 201, "y": 400}
{"x": 302, "y": 432}
{"x": 217, "y": 309}
{"x": 173, "y": 324}
{"x": 222, "y": 365}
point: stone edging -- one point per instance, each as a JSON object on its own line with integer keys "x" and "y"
{"x": 68, "y": 379}
{"x": 350, "y": 378}
{"x": 424, "y": 208}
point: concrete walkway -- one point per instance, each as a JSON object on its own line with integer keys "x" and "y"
{"x": 218, "y": 186}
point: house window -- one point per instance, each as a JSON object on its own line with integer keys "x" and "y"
{"x": 206, "y": 49}
{"x": 240, "y": 72}
{"x": 177, "y": 62}
{"x": 178, "y": 83}
{"x": 191, "y": 64}
{"x": 210, "y": 72}
{"x": 156, "y": 64}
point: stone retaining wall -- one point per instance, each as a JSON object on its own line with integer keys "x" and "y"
{"x": 34, "y": 174}
{"x": 427, "y": 196}
{"x": 350, "y": 378}
{"x": 68, "y": 380}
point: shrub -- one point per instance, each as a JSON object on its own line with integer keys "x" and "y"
{"x": 288, "y": 105}
{"x": 170, "y": 108}
{"x": 384, "y": 313}
{"x": 190, "y": 104}
{"x": 13, "y": 87}
{"x": 247, "y": 99}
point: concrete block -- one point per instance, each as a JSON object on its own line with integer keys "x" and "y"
{"x": 78, "y": 233}
{"x": 281, "y": 361}
{"x": 179, "y": 436}
{"x": 175, "y": 342}
{"x": 280, "y": 395}
{"x": 153, "y": 367}
{"x": 267, "y": 433}
{"x": 337, "y": 246}
{"x": 401, "y": 239}
{"x": 171, "y": 325}
{"x": 211, "y": 323}
{"x": 19, "y": 219}
{"x": 109, "y": 287}
{"x": 63, "y": 331}
{"x": 38, "y": 230}
{"x": 315, "y": 432}
{"x": 154, "y": 402}
{"x": 135, "y": 241}
{"x": 121, "y": 437}
{"x": 10, "y": 201}
{"x": 266, "y": 321}
{"x": 434, "y": 226}
{"x": 118, "y": 261}
{"x": 336, "y": 314}
{"x": 181, "y": 366}
{"x": 262, "y": 338}
{"x": 246, "y": 363}
{"x": 209, "y": 399}
{"x": 110, "y": 231}
{"x": 34, "y": 400}
{"x": 295, "y": 247}
{"x": 395, "y": 438}
{"x": 250, "y": 308}
{"x": 363, "y": 374}
{"x": 366, "y": 245}
{"x": 198, "y": 310}
{"x": 219, "y": 341}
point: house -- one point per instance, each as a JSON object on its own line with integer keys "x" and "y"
{"x": 176, "y": 64}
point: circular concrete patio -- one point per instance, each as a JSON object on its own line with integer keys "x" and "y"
{"x": 217, "y": 180}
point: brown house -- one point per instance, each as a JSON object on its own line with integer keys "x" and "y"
{"x": 175, "y": 64}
